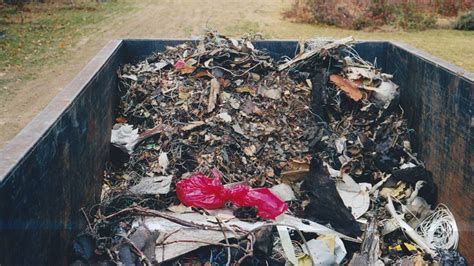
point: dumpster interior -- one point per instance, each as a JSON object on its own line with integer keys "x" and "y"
{"x": 246, "y": 151}
{"x": 224, "y": 154}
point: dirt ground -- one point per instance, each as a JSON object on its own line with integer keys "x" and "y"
{"x": 187, "y": 18}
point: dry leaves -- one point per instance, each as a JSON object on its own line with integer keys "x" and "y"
{"x": 215, "y": 86}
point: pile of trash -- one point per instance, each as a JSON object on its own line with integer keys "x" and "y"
{"x": 223, "y": 155}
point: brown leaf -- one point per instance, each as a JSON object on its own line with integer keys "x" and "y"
{"x": 187, "y": 69}
{"x": 294, "y": 175}
{"x": 145, "y": 156}
{"x": 298, "y": 165}
{"x": 121, "y": 119}
{"x": 215, "y": 87}
{"x": 180, "y": 208}
{"x": 255, "y": 76}
{"x": 247, "y": 89}
{"x": 250, "y": 150}
{"x": 269, "y": 172}
{"x": 295, "y": 171}
{"x": 192, "y": 125}
{"x": 204, "y": 73}
{"x": 349, "y": 87}
{"x": 152, "y": 131}
{"x": 224, "y": 82}
{"x": 182, "y": 95}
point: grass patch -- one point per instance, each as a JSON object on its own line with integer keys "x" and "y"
{"x": 42, "y": 33}
{"x": 243, "y": 27}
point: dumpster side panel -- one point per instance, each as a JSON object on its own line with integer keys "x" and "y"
{"x": 59, "y": 172}
{"x": 437, "y": 100}
{"x": 374, "y": 52}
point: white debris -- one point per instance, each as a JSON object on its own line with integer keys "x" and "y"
{"x": 287, "y": 244}
{"x": 407, "y": 165}
{"x": 386, "y": 92}
{"x": 234, "y": 103}
{"x": 354, "y": 195}
{"x": 125, "y": 135}
{"x": 283, "y": 191}
{"x": 332, "y": 172}
{"x": 389, "y": 225}
{"x": 326, "y": 250}
{"x": 225, "y": 117}
{"x": 163, "y": 162}
{"x": 419, "y": 240}
{"x": 274, "y": 94}
{"x": 152, "y": 185}
{"x": 440, "y": 229}
{"x": 131, "y": 76}
{"x": 355, "y": 73}
{"x": 340, "y": 144}
{"x": 159, "y": 65}
{"x": 183, "y": 239}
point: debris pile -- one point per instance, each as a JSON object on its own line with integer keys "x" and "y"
{"x": 222, "y": 155}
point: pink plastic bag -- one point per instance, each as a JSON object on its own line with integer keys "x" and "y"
{"x": 269, "y": 206}
{"x": 209, "y": 193}
{"x": 179, "y": 64}
{"x": 202, "y": 191}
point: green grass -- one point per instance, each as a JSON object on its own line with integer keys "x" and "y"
{"x": 46, "y": 33}
{"x": 241, "y": 27}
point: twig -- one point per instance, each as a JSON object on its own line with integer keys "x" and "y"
{"x": 249, "y": 250}
{"x": 170, "y": 234}
{"x": 226, "y": 241}
{"x": 203, "y": 242}
{"x": 150, "y": 212}
{"x": 87, "y": 220}
{"x": 314, "y": 52}
{"x": 138, "y": 251}
{"x": 236, "y": 75}
{"x": 413, "y": 157}
{"x": 111, "y": 256}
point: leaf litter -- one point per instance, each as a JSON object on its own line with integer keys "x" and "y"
{"x": 321, "y": 135}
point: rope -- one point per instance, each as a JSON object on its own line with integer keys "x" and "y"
{"x": 440, "y": 229}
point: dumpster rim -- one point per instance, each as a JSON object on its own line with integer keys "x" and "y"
{"x": 424, "y": 55}
{"x": 438, "y": 62}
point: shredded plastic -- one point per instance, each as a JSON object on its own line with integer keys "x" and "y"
{"x": 205, "y": 192}
{"x": 440, "y": 229}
